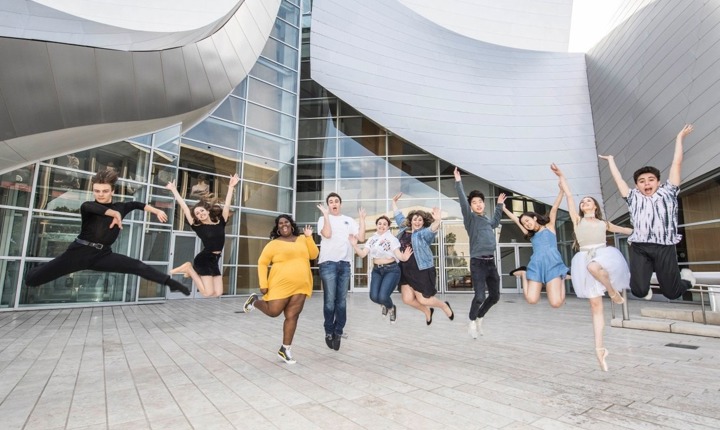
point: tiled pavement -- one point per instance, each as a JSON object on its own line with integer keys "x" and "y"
{"x": 197, "y": 364}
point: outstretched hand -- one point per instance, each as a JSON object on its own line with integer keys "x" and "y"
{"x": 162, "y": 216}
{"x": 501, "y": 199}
{"x": 686, "y": 130}
{"x": 396, "y": 197}
{"x": 234, "y": 180}
{"x": 556, "y": 170}
{"x": 324, "y": 209}
{"x": 308, "y": 230}
{"x": 436, "y": 214}
{"x": 606, "y": 157}
{"x": 171, "y": 186}
{"x": 456, "y": 172}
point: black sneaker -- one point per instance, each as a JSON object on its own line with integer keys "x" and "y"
{"x": 384, "y": 310}
{"x": 248, "y": 305}
{"x": 176, "y": 286}
{"x": 286, "y": 356}
{"x": 329, "y": 341}
{"x": 336, "y": 341}
{"x": 393, "y": 314}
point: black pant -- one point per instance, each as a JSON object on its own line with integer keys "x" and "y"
{"x": 80, "y": 257}
{"x": 483, "y": 272}
{"x": 646, "y": 258}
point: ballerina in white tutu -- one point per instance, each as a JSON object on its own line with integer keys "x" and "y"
{"x": 596, "y": 267}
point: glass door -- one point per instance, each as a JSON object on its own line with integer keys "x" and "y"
{"x": 512, "y": 255}
{"x": 184, "y": 248}
{"x": 455, "y": 258}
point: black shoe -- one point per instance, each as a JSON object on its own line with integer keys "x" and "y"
{"x": 176, "y": 286}
{"x": 286, "y": 356}
{"x": 393, "y": 314}
{"x": 336, "y": 341}
{"x": 248, "y": 305}
{"x": 452, "y": 314}
{"x": 428, "y": 322}
{"x": 519, "y": 269}
{"x": 329, "y": 341}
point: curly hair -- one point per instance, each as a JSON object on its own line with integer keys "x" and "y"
{"x": 212, "y": 206}
{"x": 274, "y": 233}
{"x": 539, "y": 218}
{"x": 426, "y": 216}
{"x": 105, "y": 176}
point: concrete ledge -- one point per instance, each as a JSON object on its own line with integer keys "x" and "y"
{"x": 693, "y": 316}
{"x": 668, "y": 326}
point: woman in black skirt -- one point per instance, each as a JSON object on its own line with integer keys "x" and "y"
{"x": 417, "y": 278}
{"x": 208, "y": 220}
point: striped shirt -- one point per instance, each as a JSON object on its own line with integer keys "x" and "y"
{"x": 654, "y": 218}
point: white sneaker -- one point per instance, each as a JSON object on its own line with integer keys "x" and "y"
{"x": 649, "y": 294}
{"x": 687, "y": 275}
{"x": 472, "y": 329}
{"x": 478, "y": 325}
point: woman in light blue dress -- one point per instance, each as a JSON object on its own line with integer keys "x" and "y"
{"x": 546, "y": 265}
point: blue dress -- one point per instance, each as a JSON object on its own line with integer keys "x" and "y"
{"x": 546, "y": 262}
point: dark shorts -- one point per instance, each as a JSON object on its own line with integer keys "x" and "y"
{"x": 207, "y": 263}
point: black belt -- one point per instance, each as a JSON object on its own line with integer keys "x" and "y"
{"x": 386, "y": 264}
{"x": 93, "y": 244}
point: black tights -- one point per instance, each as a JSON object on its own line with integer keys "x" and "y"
{"x": 80, "y": 257}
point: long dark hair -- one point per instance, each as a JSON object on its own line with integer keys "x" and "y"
{"x": 274, "y": 234}
{"x": 540, "y": 218}
{"x": 212, "y": 206}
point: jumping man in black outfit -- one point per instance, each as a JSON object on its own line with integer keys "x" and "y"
{"x": 101, "y": 225}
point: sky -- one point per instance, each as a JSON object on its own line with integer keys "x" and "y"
{"x": 590, "y": 21}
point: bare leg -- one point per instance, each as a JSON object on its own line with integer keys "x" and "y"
{"x": 188, "y": 272}
{"x": 408, "y": 297}
{"x": 292, "y": 313}
{"x": 555, "y": 292}
{"x": 598, "y": 319}
{"x": 598, "y": 272}
{"x": 433, "y": 302}
{"x": 217, "y": 284}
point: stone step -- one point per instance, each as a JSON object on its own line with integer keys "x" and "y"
{"x": 668, "y": 326}
{"x": 687, "y": 315}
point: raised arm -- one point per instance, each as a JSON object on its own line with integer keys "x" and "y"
{"x": 186, "y": 210}
{"x": 676, "y": 167}
{"x": 234, "y": 180}
{"x": 574, "y": 216}
{"x": 326, "y": 230}
{"x": 462, "y": 198}
{"x": 399, "y": 217}
{"x": 554, "y": 209}
{"x": 437, "y": 219}
{"x": 617, "y": 176}
{"x": 515, "y": 219}
{"x": 361, "y": 227}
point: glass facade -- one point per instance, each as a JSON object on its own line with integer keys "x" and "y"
{"x": 292, "y": 142}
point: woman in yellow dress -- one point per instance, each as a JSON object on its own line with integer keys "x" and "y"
{"x": 290, "y": 280}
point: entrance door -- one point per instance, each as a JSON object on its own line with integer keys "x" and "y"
{"x": 184, "y": 248}
{"x": 512, "y": 255}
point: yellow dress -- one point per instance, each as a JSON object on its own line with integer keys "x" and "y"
{"x": 290, "y": 273}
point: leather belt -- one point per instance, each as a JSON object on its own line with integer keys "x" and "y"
{"x": 386, "y": 264}
{"x": 92, "y": 244}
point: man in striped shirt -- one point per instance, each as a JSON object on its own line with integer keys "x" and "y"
{"x": 654, "y": 214}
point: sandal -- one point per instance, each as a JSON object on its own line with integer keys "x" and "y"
{"x": 519, "y": 269}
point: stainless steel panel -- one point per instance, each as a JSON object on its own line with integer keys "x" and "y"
{"x": 76, "y": 81}
{"x": 150, "y": 95}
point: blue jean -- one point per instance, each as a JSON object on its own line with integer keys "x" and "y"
{"x": 483, "y": 272}
{"x": 383, "y": 282}
{"x": 335, "y": 277}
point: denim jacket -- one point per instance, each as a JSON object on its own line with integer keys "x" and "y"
{"x": 420, "y": 240}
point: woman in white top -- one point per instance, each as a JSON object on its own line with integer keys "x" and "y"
{"x": 596, "y": 267}
{"x": 384, "y": 251}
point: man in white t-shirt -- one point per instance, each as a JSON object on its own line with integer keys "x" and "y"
{"x": 336, "y": 254}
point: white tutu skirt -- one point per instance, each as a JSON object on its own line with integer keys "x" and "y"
{"x": 612, "y": 260}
